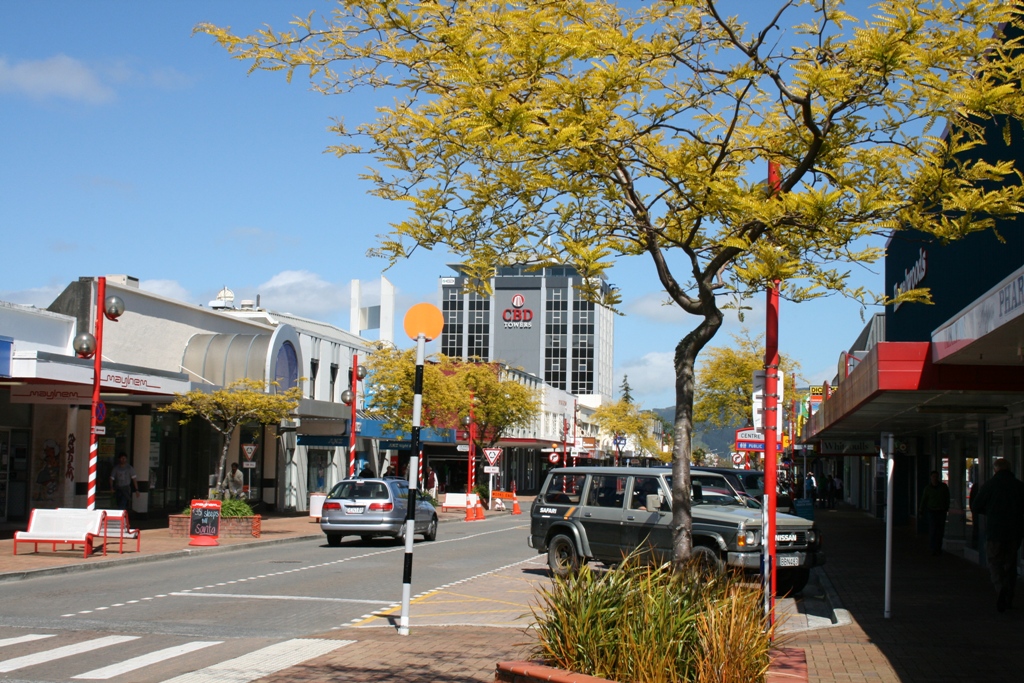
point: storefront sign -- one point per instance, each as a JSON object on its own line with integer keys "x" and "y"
{"x": 912, "y": 277}
{"x": 53, "y": 394}
{"x": 517, "y": 316}
{"x": 843, "y": 447}
{"x": 1002, "y": 303}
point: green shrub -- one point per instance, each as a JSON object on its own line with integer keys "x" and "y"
{"x": 233, "y": 507}
{"x": 645, "y": 624}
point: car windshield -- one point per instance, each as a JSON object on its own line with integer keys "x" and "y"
{"x": 360, "y": 490}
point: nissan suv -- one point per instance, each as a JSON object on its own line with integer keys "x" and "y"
{"x": 605, "y": 513}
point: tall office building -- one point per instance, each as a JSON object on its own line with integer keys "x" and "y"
{"x": 536, "y": 320}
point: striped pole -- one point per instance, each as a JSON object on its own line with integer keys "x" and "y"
{"x": 414, "y": 466}
{"x": 352, "y": 429}
{"x": 97, "y": 369}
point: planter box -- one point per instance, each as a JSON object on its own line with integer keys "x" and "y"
{"x": 530, "y": 672}
{"x": 230, "y": 527}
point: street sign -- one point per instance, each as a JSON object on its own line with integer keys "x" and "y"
{"x": 553, "y": 458}
{"x": 492, "y": 469}
{"x": 492, "y": 455}
{"x": 749, "y": 440}
{"x": 738, "y": 458}
{"x": 249, "y": 449}
{"x": 99, "y": 430}
{"x": 248, "y": 464}
{"x": 619, "y": 441}
{"x": 462, "y": 448}
{"x": 101, "y": 411}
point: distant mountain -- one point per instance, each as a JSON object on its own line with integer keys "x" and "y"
{"x": 707, "y": 436}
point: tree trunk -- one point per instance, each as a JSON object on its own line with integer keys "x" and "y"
{"x": 685, "y": 358}
{"x": 224, "y": 458}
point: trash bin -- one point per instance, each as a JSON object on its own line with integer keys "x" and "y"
{"x": 316, "y": 504}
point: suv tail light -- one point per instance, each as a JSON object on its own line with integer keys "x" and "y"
{"x": 382, "y": 507}
{"x": 332, "y": 506}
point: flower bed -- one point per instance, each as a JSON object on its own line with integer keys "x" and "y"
{"x": 230, "y": 527}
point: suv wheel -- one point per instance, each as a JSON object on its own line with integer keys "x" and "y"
{"x": 563, "y": 560}
{"x": 705, "y": 559}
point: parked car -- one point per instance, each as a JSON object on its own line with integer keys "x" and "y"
{"x": 373, "y": 507}
{"x": 752, "y": 482}
{"x": 605, "y": 513}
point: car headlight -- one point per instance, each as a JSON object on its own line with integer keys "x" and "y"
{"x": 812, "y": 537}
{"x": 748, "y": 538}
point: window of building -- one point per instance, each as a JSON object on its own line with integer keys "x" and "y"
{"x": 556, "y": 338}
{"x": 478, "y": 327}
{"x": 334, "y": 381}
{"x": 452, "y": 310}
{"x": 314, "y": 366}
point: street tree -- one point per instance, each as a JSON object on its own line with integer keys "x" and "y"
{"x": 724, "y": 389}
{"x": 624, "y": 419}
{"x": 499, "y": 404}
{"x": 578, "y": 132}
{"x": 243, "y": 401}
{"x": 627, "y": 391}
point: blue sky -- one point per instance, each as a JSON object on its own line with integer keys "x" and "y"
{"x": 131, "y": 146}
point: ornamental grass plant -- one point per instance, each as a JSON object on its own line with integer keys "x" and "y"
{"x": 639, "y": 623}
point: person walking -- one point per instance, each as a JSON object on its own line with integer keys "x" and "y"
{"x": 838, "y": 481}
{"x": 811, "y": 487}
{"x": 235, "y": 482}
{"x": 123, "y": 480}
{"x": 935, "y": 505}
{"x": 1001, "y": 501}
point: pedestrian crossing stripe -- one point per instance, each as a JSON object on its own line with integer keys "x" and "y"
{"x": 248, "y": 667}
{"x": 62, "y": 652}
{"x": 145, "y": 660}
{"x": 264, "y": 662}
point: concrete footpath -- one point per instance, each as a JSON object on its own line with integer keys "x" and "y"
{"x": 944, "y": 625}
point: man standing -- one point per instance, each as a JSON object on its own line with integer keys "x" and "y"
{"x": 235, "y": 481}
{"x": 935, "y": 504}
{"x": 123, "y": 480}
{"x": 1001, "y": 500}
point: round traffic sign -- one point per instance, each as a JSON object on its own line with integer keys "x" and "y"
{"x": 553, "y": 458}
{"x": 101, "y": 411}
{"x": 425, "y": 319}
{"x": 738, "y": 458}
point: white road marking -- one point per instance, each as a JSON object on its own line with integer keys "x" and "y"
{"x": 280, "y": 597}
{"x": 262, "y": 662}
{"x": 25, "y": 639}
{"x": 61, "y": 652}
{"x": 145, "y": 660}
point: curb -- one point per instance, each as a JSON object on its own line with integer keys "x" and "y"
{"x": 840, "y": 615}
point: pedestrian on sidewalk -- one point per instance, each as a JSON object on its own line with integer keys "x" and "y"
{"x": 1001, "y": 500}
{"x": 123, "y": 480}
{"x": 235, "y": 482}
{"x": 935, "y": 505}
{"x": 811, "y": 488}
{"x": 838, "y": 498}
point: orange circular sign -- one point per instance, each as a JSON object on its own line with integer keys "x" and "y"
{"x": 425, "y": 319}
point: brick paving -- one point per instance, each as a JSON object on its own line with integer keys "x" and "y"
{"x": 944, "y": 626}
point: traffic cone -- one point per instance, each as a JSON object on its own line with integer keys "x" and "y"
{"x": 515, "y": 504}
{"x": 470, "y": 511}
{"x": 479, "y": 509}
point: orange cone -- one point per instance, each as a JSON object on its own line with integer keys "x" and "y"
{"x": 515, "y": 504}
{"x": 470, "y": 511}
{"x": 479, "y": 509}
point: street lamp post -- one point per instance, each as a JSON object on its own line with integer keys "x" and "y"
{"x": 91, "y": 346}
{"x": 348, "y": 397}
{"x": 470, "y": 422}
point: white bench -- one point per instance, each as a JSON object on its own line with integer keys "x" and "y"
{"x": 458, "y": 501}
{"x": 117, "y": 527}
{"x": 73, "y": 526}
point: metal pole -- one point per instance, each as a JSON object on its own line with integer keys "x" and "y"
{"x": 410, "y": 511}
{"x": 771, "y": 411}
{"x": 887, "y": 445}
{"x": 352, "y": 429}
{"x": 97, "y": 370}
{"x": 470, "y": 474}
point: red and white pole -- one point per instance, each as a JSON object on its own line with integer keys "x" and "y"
{"x": 471, "y": 477}
{"x": 771, "y": 411}
{"x": 352, "y": 430}
{"x": 97, "y": 370}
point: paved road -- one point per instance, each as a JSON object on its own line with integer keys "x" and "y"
{"x": 151, "y": 622}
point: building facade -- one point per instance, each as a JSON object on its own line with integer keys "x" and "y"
{"x": 535, "y": 320}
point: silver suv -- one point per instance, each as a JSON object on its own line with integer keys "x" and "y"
{"x": 373, "y": 507}
{"x": 604, "y": 513}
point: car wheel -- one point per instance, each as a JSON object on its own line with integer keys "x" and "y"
{"x": 705, "y": 559}
{"x": 400, "y": 536}
{"x": 563, "y": 560}
{"x": 791, "y": 580}
{"x": 366, "y": 538}
{"x": 334, "y": 540}
{"x": 431, "y": 532}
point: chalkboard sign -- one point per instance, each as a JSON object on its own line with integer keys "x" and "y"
{"x": 204, "y": 527}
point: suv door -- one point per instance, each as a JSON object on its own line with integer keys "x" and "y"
{"x": 601, "y": 515}
{"x": 647, "y": 518}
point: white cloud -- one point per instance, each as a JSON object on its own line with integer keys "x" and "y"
{"x": 303, "y": 293}
{"x": 40, "y": 297}
{"x": 168, "y": 288}
{"x": 652, "y": 306}
{"x": 59, "y": 76}
{"x": 652, "y": 379}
